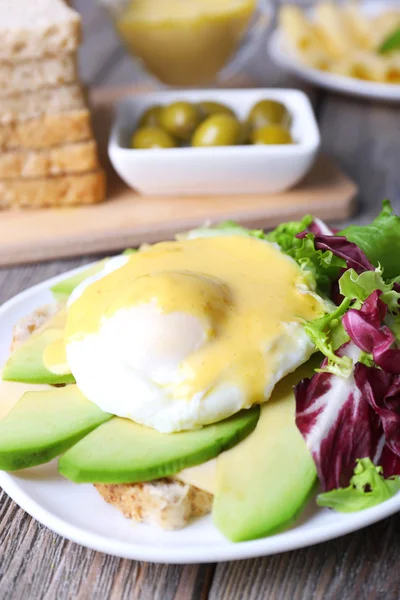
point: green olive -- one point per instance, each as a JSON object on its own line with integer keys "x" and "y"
{"x": 208, "y": 108}
{"x": 268, "y": 112}
{"x": 271, "y": 134}
{"x": 180, "y": 119}
{"x": 218, "y": 130}
{"x": 150, "y": 117}
{"x": 152, "y": 137}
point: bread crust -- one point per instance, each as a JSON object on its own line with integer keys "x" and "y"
{"x": 46, "y": 131}
{"x": 164, "y": 503}
{"x": 65, "y": 190}
{"x": 36, "y": 28}
{"x": 61, "y": 160}
{"x": 28, "y": 105}
{"x": 33, "y": 74}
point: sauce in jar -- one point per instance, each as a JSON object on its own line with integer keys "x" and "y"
{"x": 185, "y": 42}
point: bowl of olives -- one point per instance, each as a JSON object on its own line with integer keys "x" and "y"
{"x": 199, "y": 142}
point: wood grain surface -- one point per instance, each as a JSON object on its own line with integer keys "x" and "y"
{"x": 127, "y": 219}
{"x": 36, "y": 564}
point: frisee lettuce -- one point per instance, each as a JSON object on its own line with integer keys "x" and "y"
{"x": 327, "y": 334}
{"x": 367, "y": 488}
{"x": 323, "y": 265}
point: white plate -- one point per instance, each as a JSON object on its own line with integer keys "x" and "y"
{"x": 286, "y": 57}
{"x": 78, "y": 513}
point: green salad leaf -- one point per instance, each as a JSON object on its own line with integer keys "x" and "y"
{"x": 380, "y": 240}
{"x": 328, "y": 334}
{"x": 359, "y": 287}
{"x": 225, "y": 228}
{"x": 285, "y": 234}
{"x": 367, "y": 488}
{"x": 323, "y": 265}
{"x": 391, "y": 42}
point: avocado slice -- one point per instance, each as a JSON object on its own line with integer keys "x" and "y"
{"x": 44, "y": 424}
{"x": 264, "y": 482}
{"x": 64, "y": 288}
{"x": 26, "y": 362}
{"x": 122, "y": 451}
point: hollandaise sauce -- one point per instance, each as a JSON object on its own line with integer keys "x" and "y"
{"x": 240, "y": 295}
{"x": 185, "y": 42}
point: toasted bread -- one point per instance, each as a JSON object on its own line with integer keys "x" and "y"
{"x": 163, "y": 502}
{"x": 64, "y": 190}
{"x": 35, "y": 28}
{"x": 46, "y": 131}
{"x": 61, "y": 160}
{"x": 28, "y": 105}
{"x": 33, "y": 74}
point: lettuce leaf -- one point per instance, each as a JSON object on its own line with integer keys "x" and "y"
{"x": 322, "y": 264}
{"x": 285, "y": 235}
{"x": 359, "y": 287}
{"x": 380, "y": 240}
{"x": 328, "y": 334}
{"x": 225, "y": 228}
{"x": 367, "y": 488}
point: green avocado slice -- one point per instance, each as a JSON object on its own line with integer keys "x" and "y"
{"x": 26, "y": 362}
{"x": 44, "y": 424}
{"x": 263, "y": 483}
{"x": 64, "y": 288}
{"x": 121, "y": 451}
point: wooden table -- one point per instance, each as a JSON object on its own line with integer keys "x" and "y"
{"x": 36, "y": 564}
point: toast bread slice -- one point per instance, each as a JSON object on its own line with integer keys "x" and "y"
{"x": 47, "y": 130}
{"x": 64, "y": 190}
{"x": 33, "y": 74}
{"x": 34, "y": 28}
{"x": 61, "y": 160}
{"x": 22, "y": 106}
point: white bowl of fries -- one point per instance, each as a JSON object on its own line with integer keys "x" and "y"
{"x": 348, "y": 47}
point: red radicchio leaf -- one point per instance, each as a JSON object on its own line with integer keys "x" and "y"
{"x": 318, "y": 227}
{"x": 337, "y": 424}
{"x": 382, "y": 392}
{"x": 343, "y": 419}
{"x": 341, "y": 247}
{"x": 365, "y": 328}
{"x": 390, "y": 462}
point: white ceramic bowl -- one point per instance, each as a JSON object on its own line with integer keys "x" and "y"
{"x": 221, "y": 170}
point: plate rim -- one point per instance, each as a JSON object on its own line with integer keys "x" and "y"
{"x": 186, "y": 554}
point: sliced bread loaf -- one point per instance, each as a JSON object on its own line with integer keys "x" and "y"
{"x": 65, "y": 190}
{"x": 46, "y": 130}
{"x": 21, "y": 106}
{"x": 70, "y": 158}
{"x": 33, "y": 28}
{"x": 33, "y": 74}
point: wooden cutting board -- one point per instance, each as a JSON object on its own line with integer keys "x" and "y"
{"x": 128, "y": 219}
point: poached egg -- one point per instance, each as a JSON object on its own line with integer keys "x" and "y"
{"x": 187, "y": 333}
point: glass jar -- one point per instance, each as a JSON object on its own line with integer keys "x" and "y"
{"x": 189, "y": 42}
